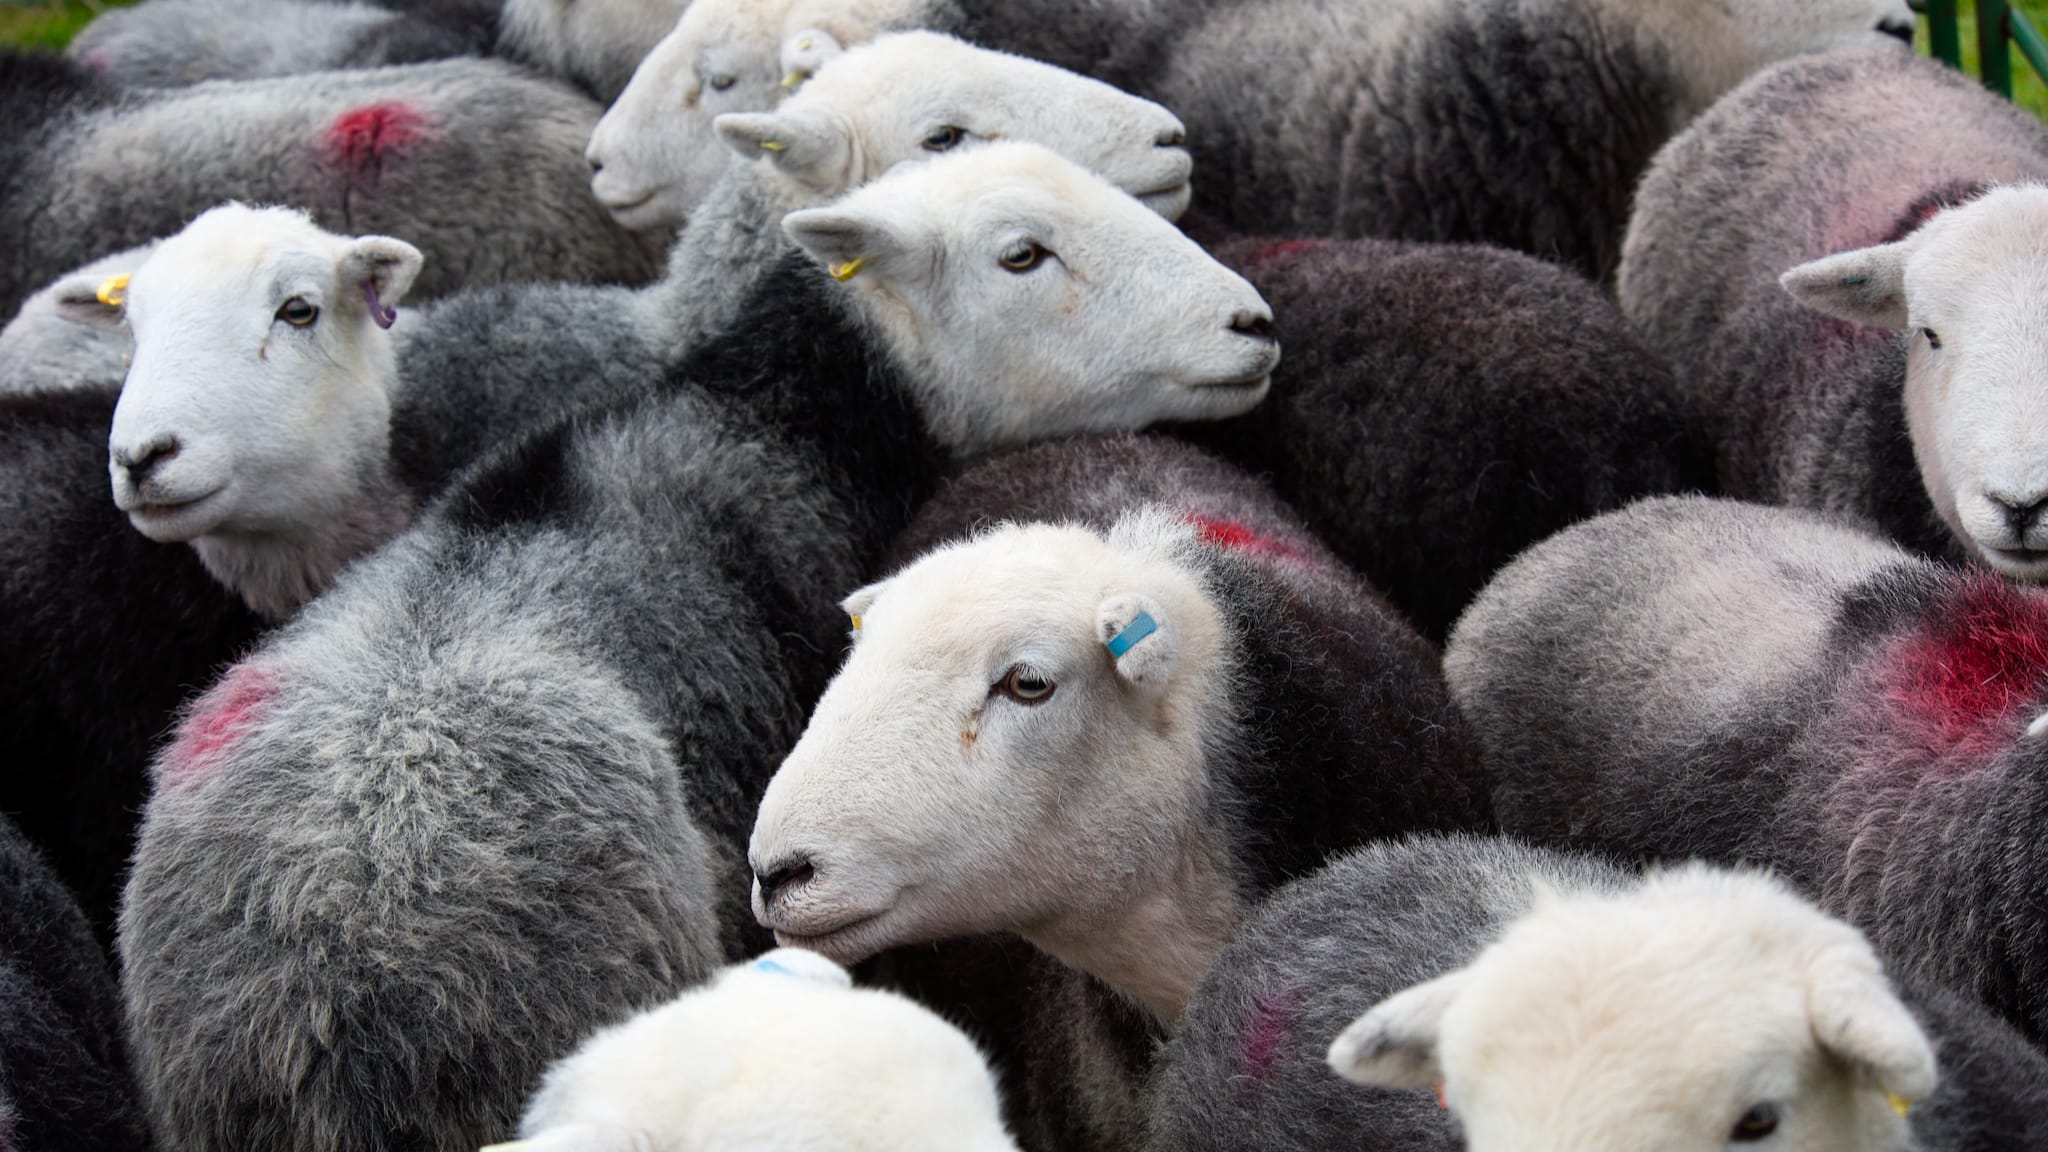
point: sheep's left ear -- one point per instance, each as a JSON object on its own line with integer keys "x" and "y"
{"x": 1855, "y": 1015}
{"x": 857, "y": 605}
{"x": 807, "y": 149}
{"x": 1141, "y": 639}
{"x": 852, "y": 241}
{"x": 1867, "y": 286}
{"x": 93, "y": 300}
{"x": 384, "y": 268}
{"x": 1394, "y": 1045}
{"x": 806, "y": 51}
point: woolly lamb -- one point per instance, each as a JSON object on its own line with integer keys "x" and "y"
{"x": 1519, "y": 123}
{"x": 1693, "y": 677}
{"x": 1925, "y": 436}
{"x": 1420, "y": 418}
{"x": 1759, "y": 1011}
{"x": 781, "y": 1053}
{"x": 616, "y": 624}
{"x": 474, "y": 161}
{"x": 64, "y": 1080}
{"x": 1255, "y": 709}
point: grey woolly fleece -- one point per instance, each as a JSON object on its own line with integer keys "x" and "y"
{"x": 1816, "y": 156}
{"x": 171, "y": 43}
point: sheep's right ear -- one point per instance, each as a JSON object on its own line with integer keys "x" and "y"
{"x": 1141, "y": 639}
{"x": 93, "y": 300}
{"x": 1394, "y": 1045}
{"x": 1867, "y": 286}
{"x": 857, "y": 605}
{"x": 807, "y": 149}
{"x": 806, "y": 51}
{"x": 850, "y": 241}
{"x": 1855, "y": 1015}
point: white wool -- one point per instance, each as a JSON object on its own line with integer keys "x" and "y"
{"x": 1104, "y": 316}
{"x": 931, "y": 797}
{"x": 779, "y": 1055}
{"x": 1702, "y": 1011}
{"x": 595, "y": 42}
{"x": 1971, "y": 286}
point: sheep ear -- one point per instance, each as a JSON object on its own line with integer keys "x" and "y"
{"x": 806, "y": 51}
{"x": 93, "y": 300}
{"x": 1867, "y": 286}
{"x": 807, "y": 149}
{"x": 850, "y": 242}
{"x": 1394, "y": 1045}
{"x": 801, "y": 964}
{"x": 1856, "y": 1016}
{"x": 1141, "y": 639}
{"x": 384, "y": 268}
{"x": 857, "y": 605}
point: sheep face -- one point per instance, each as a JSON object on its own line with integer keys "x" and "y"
{"x": 1716, "y": 44}
{"x": 1010, "y": 746}
{"x": 915, "y": 94}
{"x": 1027, "y": 298}
{"x": 1971, "y": 286}
{"x": 1703, "y": 1012}
{"x": 779, "y": 1054}
{"x": 260, "y": 385}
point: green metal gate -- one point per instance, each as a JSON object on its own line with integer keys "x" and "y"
{"x": 1999, "y": 23}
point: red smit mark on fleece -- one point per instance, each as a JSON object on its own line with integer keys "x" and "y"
{"x": 363, "y": 138}
{"x": 214, "y": 724}
{"x": 1965, "y": 679}
{"x": 1233, "y": 536}
{"x": 1282, "y": 249}
{"x": 1267, "y": 1031}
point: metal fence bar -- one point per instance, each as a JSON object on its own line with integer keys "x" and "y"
{"x": 1944, "y": 37}
{"x": 2032, "y": 45}
{"x": 1994, "y": 61}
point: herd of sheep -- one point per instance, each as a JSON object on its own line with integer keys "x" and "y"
{"x": 752, "y": 576}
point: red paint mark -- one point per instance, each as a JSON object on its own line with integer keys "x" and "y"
{"x": 1282, "y": 249}
{"x": 216, "y": 721}
{"x": 1234, "y": 536}
{"x": 360, "y": 139}
{"x": 1267, "y": 1032}
{"x": 97, "y": 61}
{"x": 1971, "y": 677}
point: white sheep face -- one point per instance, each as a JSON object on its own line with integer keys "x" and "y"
{"x": 1703, "y": 1012}
{"x": 260, "y": 385}
{"x": 984, "y": 761}
{"x": 1007, "y": 265}
{"x": 1716, "y": 44}
{"x": 1971, "y": 285}
{"x": 780, "y": 1055}
{"x": 915, "y": 94}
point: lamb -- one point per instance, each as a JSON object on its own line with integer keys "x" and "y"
{"x": 1509, "y": 122}
{"x": 1202, "y": 699}
{"x": 64, "y": 1080}
{"x": 1419, "y": 436}
{"x": 651, "y": 177}
{"x": 398, "y": 945}
{"x": 1393, "y": 962}
{"x": 421, "y": 152}
{"x": 1734, "y": 681}
{"x": 1817, "y": 400}
{"x": 782, "y": 1052}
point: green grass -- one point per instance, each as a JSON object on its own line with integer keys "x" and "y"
{"x": 2028, "y": 90}
{"x": 47, "y": 25}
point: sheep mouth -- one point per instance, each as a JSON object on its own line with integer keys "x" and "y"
{"x": 850, "y": 938}
{"x": 172, "y": 520}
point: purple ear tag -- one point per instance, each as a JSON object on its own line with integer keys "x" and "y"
{"x": 385, "y": 317}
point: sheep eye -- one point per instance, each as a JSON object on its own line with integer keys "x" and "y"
{"x": 1025, "y": 687}
{"x": 940, "y": 139}
{"x": 1756, "y": 1124}
{"x": 719, "y": 82}
{"x": 1024, "y": 257}
{"x": 1933, "y": 338}
{"x": 297, "y": 313}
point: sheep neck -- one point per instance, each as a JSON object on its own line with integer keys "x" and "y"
{"x": 276, "y": 572}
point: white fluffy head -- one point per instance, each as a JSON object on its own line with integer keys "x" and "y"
{"x": 1007, "y": 263}
{"x": 596, "y": 43}
{"x": 985, "y": 760}
{"x": 1717, "y": 44}
{"x": 779, "y": 1055}
{"x": 1972, "y": 286}
{"x": 1704, "y": 1011}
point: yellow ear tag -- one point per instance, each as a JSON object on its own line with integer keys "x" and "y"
{"x": 772, "y": 145}
{"x": 795, "y": 77}
{"x": 113, "y": 290}
{"x": 856, "y": 623}
{"x": 1899, "y": 1104}
{"x": 804, "y": 45}
{"x": 846, "y": 271}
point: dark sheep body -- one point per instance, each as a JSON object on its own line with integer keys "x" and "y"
{"x": 64, "y": 1080}
{"x": 1701, "y": 678}
{"x": 1816, "y": 156}
{"x": 170, "y": 43}
{"x": 474, "y": 162}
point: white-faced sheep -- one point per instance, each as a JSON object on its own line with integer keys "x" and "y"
{"x": 1513, "y": 122}
{"x": 779, "y": 1053}
{"x": 476, "y": 162}
{"x": 1558, "y": 1003}
{"x": 1694, "y": 677}
{"x": 434, "y": 830}
{"x": 1109, "y": 733}
{"x": 1816, "y": 397}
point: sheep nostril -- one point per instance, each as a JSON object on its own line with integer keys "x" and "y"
{"x": 784, "y": 876}
{"x": 146, "y": 459}
{"x": 1898, "y": 29}
{"x": 1173, "y": 138}
{"x": 1253, "y": 325}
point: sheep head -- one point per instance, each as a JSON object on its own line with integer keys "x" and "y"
{"x": 1714, "y": 45}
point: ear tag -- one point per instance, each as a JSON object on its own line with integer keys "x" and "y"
{"x": 1141, "y": 626}
{"x": 113, "y": 290}
{"x": 846, "y": 271}
{"x": 856, "y": 623}
{"x": 1441, "y": 1101}
{"x": 766, "y": 965}
{"x": 1899, "y": 1104}
{"x": 804, "y": 45}
{"x": 384, "y": 316}
{"x": 796, "y": 76}
{"x": 772, "y": 145}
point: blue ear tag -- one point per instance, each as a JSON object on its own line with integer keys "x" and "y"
{"x": 1141, "y": 626}
{"x": 766, "y": 965}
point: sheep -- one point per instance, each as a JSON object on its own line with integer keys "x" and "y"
{"x": 472, "y": 160}
{"x": 1202, "y": 699}
{"x": 650, "y": 177}
{"x": 613, "y": 623}
{"x": 45, "y": 347}
{"x": 1420, "y": 438}
{"x": 1504, "y": 121}
{"x": 64, "y": 1079}
{"x": 1736, "y": 681}
{"x": 781, "y": 1052}
{"x": 594, "y": 43}
{"x": 1817, "y": 400}
{"x": 1391, "y": 964}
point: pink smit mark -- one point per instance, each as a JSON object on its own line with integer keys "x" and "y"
{"x": 362, "y": 138}
{"x": 1282, "y": 249}
{"x": 217, "y": 720}
{"x": 1233, "y": 536}
{"x": 1963, "y": 681}
{"x": 1267, "y": 1032}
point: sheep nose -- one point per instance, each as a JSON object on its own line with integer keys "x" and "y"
{"x": 1897, "y": 27}
{"x": 1174, "y": 137}
{"x": 140, "y": 462}
{"x": 785, "y": 875}
{"x": 2020, "y": 514}
{"x": 1255, "y": 325}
